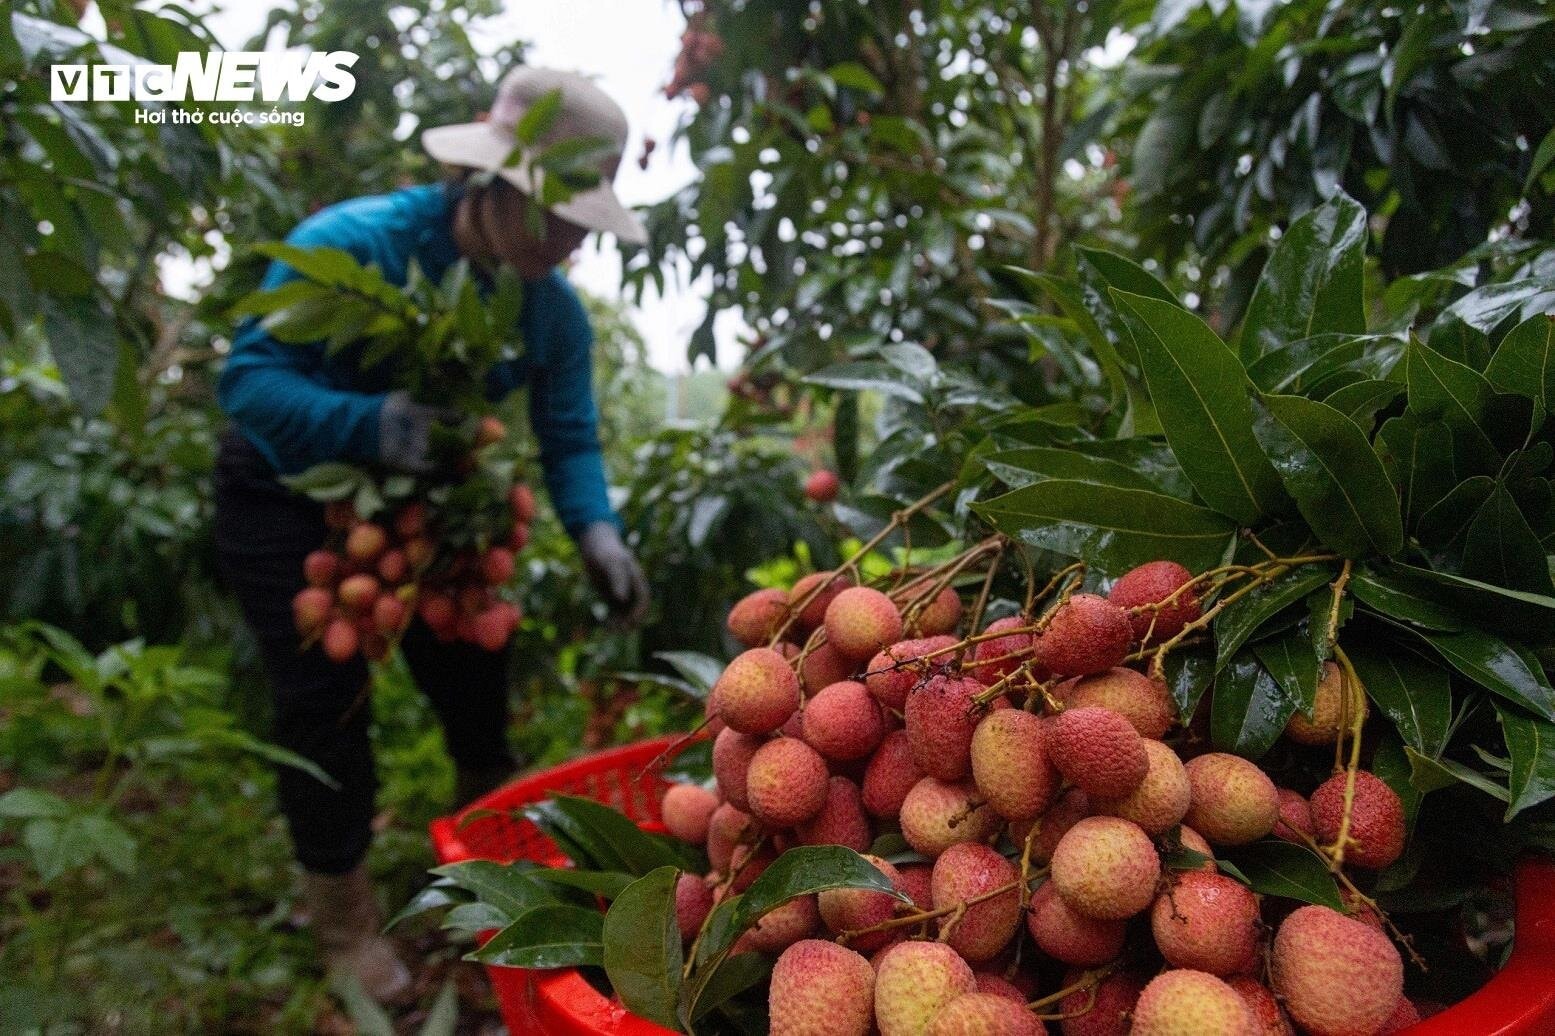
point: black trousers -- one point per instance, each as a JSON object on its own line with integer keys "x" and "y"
{"x": 322, "y": 709}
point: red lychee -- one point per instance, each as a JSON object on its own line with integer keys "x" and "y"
{"x": 1148, "y": 585}
{"x": 1086, "y": 634}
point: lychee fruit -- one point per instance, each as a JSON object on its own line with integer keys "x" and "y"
{"x": 365, "y": 542}
{"x": 1206, "y": 922}
{"x": 941, "y": 615}
{"x": 961, "y": 873}
{"x": 1295, "y": 817}
{"x": 984, "y": 1014}
{"x": 1086, "y": 634}
{"x": 890, "y": 775}
{"x": 913, "y": 981}
{"x": 727, "y": 828}
{"x": 843, "y": 721}
{"x": 1161, "y": 800}
{"x": 310, "y": 609}
{"x": 493, "y": 627}
{"x": 937, "y": 814}
{"x": 321, "y": 567}
{"x": 1334, "y": 709}
{"x": 757, "y": 616}
{"x": 341, "y": 640}
{"x": 1150, "y": 584}
{"x": 1010, "y": 765}
{"x": 786, "y": 783}
{"x": 1268, "y": 1016}
{"x": 1376, "y": 834}
{"x": 841, "y": 820}
{"x": 1144, "y": 702}
{"x": 389, "y": 615}
{"x": 489, "y": 430}
{"x": 1098, "y": 751}
{"x": 822, "y": 667}
{"x": 1234, "y": 802}
{"x": 1190, "y": 1003}
{"x": 998, "y": 985}
{"x": 1403, "y": 1016}
{"x": 522, "y": 500}
{"x": 854, "y": 909}
{"x": 940, "y": 718}
{"x": 1069, "y": 936}
{"x": 1103, "y": 1010}
{"x": 861, "y": 621}
{"x": 821, "y": 989}
{"x": 693, "y": 902}
{"x": 732, "y": 752}
{"x": 1336, "y": 975}
{"x": 780, "y": 927}
{"x": 1106, "y": 867}
{"x": 916, "y": 882}
{"x": 1195, "y": 842}
{"x": 358, "y": 592}
{"x": 757, "y": 691}
{"x": 822, "y": 486}
{"x": 814, "y": 611}
{"x": 995, "y": 659}
{"x": 893, "y": 673}
{"x": 419, "y": 553}
{"x": 411, "y": 520}
{"x": 686, "y": 809}
{"x": 497, "y": 566}
{"x": 392, "y": 566}
{"x": 437, "y": 611}
{"x": 1068, "y": 810}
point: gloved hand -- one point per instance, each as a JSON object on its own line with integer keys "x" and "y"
{"x": 614, "y": 572}
{"x": 405, "y": 433}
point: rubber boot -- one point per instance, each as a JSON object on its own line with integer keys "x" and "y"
{"x": 347, "y": 924}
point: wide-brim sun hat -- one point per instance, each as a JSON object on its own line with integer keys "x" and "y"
{"x": 585, "y": 111}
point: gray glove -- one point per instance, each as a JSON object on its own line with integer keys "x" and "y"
{"x": 614, "y": 572}
{"x": 405, "y": 433}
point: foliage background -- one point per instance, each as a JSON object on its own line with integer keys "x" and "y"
{"x": 870, "y": 174}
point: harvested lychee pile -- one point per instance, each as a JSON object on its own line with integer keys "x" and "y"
{"x": 414, "y": 559}
{"x": 1061, "y": 841}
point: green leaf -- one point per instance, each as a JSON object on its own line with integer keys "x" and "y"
{"x": 1501, "y": 548}
{"x": 1496, "y": 666}
{"x": 368, "y": 1018}
{"x": 1360, "y": 401}
{"x": 439, "y": 895}
{"x": 1242, "y": 618}
{"x": 540, "y": 117}
{"x": 1428, "y": 775}
{"x": 1305, "y": 361}
{"x": 82, "y": 340}
{"x": 554, "y": 936}
{"x": 1249, "y": 709}
{"x": 802, "y": 871}
{"x": 1188, "y": 675}
{"x": 1113, "y": 528}
{"x": 1524, "y": 362}
{"x": 1530, "y": 743}
{"x": 1542, "y": 157}
{"x": 855, "y": 76}
{"x": 1411, "y": 690}
{"x": 1288, "y": 870}
{"x": 616, "y": 838}
{"x": 733, "y": 976}
{"x": 27, "y": 803}
{"x": 1293, "y": 664}
{"x": 642, "y": 953}
{"x": 1338, "y": 482}
{"x": 1032, "y": 464}
{"x": 112, "y": 843}
{"x": 443, "y": 1019}
{"x": 508, "y": 887}
{"x": 1399, "y": 597}
{"x": 1200, "y": 394}
{"x": 701, "y": 670}
{"x": 1419, "y": 457}
{"x": 1514, "y": 612}
{"x": 1442, "y": 387}
{"x": 606, "y": 884}
{"x": 868, "y": 374}
{"x": 1312, "y": 282}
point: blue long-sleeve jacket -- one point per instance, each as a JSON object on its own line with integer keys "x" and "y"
{"x": 299, "y": 407}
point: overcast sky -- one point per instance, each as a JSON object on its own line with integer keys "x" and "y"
{"x": 629, "y": 47}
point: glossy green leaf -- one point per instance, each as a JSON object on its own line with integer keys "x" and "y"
{"x": 1515, "y": 612}
{"x": 613, "y": 840}
{"x": 1442, "y": 387}
{"x": 508, "y": 887}
{"x": 1418, "y": 454}
{"x": 1430, "y": 774}
{"x": 1361, "y": 401}
{"x": 1497, "y": 666}
{"x": 1188, "y": 675}
{"x": 1385, "y": 590}
{"x": 642, "y": 954}
{"x": 606, "y": 884}
{"x": 1249, "y": 709}
{"x": 1289, "y": 871}
{"x": 1111, "y": 527}
{"x": 1339, "y": 484}
{"x": 1292, "y": 664}
{"x": 1501, "y": 548}
{"x": 554, "y": 936}
{"x": 1243, "y": 617}
{"x": 1413, "y": 691}
{"x": 1201, "y": 399}
{"x": 734, "y": 975}
{"x": 1033, "y": 464}
{"x": 1524, "y": 362}
{"x": 1530, "y": 744}
{"x": 1288, "y": 367}
{"x": 858, "y": 375}
{"x": 1312, "y": 282}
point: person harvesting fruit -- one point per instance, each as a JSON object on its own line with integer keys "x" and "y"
{"x": 295, "y": 406}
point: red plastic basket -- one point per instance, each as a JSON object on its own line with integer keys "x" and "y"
{"x": 1519, "y": 1001}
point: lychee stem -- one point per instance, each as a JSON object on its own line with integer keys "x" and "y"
{"x": 981, "y": 605}
{"x": 920, "y": 916}
{"x": 1089, "y": 980}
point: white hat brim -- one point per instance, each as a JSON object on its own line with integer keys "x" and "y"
{"x": 478, "y": 145}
